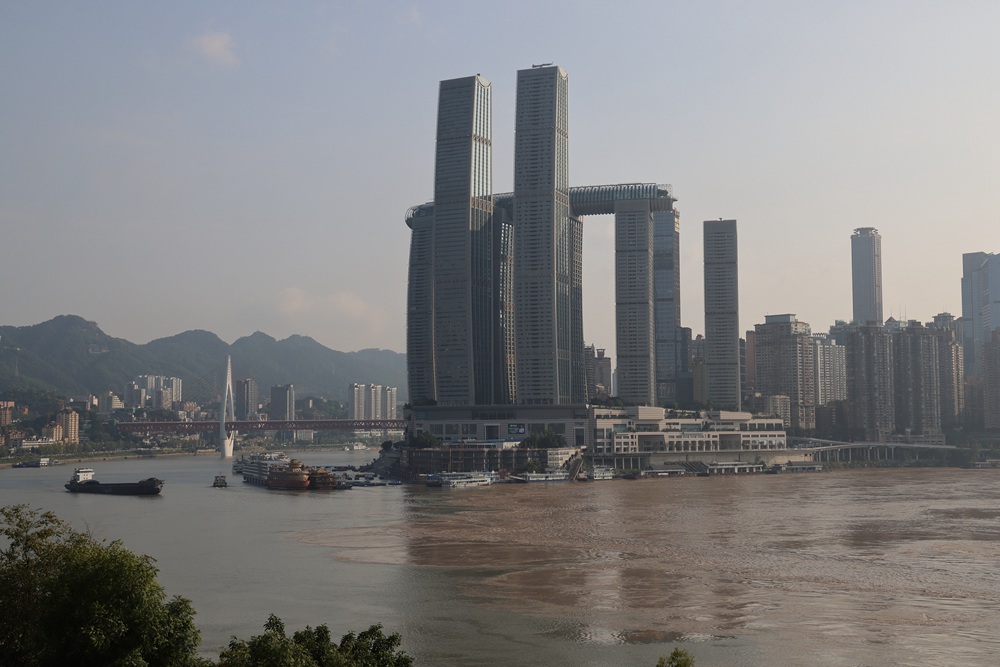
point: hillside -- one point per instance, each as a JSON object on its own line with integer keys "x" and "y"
{"x": 69, "y": 355}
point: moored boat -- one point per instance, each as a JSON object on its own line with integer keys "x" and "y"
{"x": 255, "y": 469}
{"x": 83, "y": 481}
{"x": 460, "y": 479}
{"x": 467, "y": 481}
{"x": 554, "y": 476}
{"x": 291, "y": 476}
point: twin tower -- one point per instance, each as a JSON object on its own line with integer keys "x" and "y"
{"x": 495, "y": 298}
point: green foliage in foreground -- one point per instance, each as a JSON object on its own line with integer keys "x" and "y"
{"x": 314, "y": 648}
{"x": 678, "y": 658}
{"x": 65, "y": 595}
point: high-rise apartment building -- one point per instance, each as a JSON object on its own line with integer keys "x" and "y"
{"x": 866, "y": 275}
{"x": 870, "y": 387}
{"x": 916, "y": 381}
{"x": 371, "y": 401}
{"x": 980, "y": 318}
{"x": 357, "y": 399}
{"x": 388, "y": 402}
{"x": 246, "y": 398}
{"x": 282, "y": 405}
{"x": 722, "y": 315}
{"x": 980, "y": 305}
{"x": 951, "y": 367}
{"x": 548, "y": 308}
{"x": 134, "y": 396}
{"x": 160, "y": 391}
{"x": 991, "y": 380}
{"x": 785, "y": 358}
{"x": 69, "y": 420}
{"x": 830, "y": 365}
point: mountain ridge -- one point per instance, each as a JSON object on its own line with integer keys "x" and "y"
{"x": 71, "y": 355}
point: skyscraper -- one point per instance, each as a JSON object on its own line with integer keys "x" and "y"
{"x": 722, "y": 315}
{"x": 672, "y": 367}
{"x": 548, "y": 247}
{"x": 866, "y": 275}
{"x": 462, "y": 269}
{"x": 917, "y": 381}
{"x": 245, "y": 398}
{"x": 635, "y": 303}
{"x": 980, "y": 306}
{"x": 870, "y": 387}
{"x": 282, "y": 406}
{"x": 785, "y": 366}
{"x": 495, "y": 317}
{"x": 830, "y": 365}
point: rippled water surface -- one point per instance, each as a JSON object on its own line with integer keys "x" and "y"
{"x": 875, "y": 568}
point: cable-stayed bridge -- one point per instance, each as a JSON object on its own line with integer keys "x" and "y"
{"x": 228, "y": 426}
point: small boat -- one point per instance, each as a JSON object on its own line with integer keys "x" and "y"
{"x": 220, "y": 482}
{"x": 83, "y": 481}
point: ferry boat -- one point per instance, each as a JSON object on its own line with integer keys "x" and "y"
{"x": 220, "y": 482}
{"x": 83, "y": 481}
{"x": 321, "y": 479}
{"x": 457, "y": 480}
{"x": 554, "y": 476}
{"x": 291, "y": 476}
{"x": 467, "y": 481}
{"x": 256, "y": 468}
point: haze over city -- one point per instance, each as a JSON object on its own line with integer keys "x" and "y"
{"x": 238, "y": 168}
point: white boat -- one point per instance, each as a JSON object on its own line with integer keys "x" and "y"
{"x": 461, "y": 479}
{"x": 599, "y": 473}
{"x": 554, "y": 476}
{"x": 469, "y": 480}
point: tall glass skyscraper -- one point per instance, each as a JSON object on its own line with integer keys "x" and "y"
{"x": 548, "y": 246}
{"x": 722, "y": 315}
{"x": 451, "y": 300}
{"x": 866, "y": 275}
{"x": 495, "y": 295}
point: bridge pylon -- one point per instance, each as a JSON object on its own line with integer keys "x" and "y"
{"x": 227, "y": 412}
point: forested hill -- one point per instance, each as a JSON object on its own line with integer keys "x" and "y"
{"x": 70, "y": 355}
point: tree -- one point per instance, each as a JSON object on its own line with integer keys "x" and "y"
{"x": 314, "y": 648}
{"x": 426, "y": 441}
{"x": 547, "y": 439}
{"x": 64, "y": 593}
{"x": 678, "y": 658}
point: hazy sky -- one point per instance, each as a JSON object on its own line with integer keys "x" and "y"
{"x": 243, "y": 166}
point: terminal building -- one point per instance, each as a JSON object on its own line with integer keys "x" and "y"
{"x": 636, "y": 437}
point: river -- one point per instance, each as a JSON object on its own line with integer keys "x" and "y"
{"x": 856, "y": 567}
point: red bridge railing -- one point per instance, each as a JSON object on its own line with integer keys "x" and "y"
{"x": 149, "y": 428}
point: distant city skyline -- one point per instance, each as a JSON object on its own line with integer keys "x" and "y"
{"x": 222, "y": 142}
